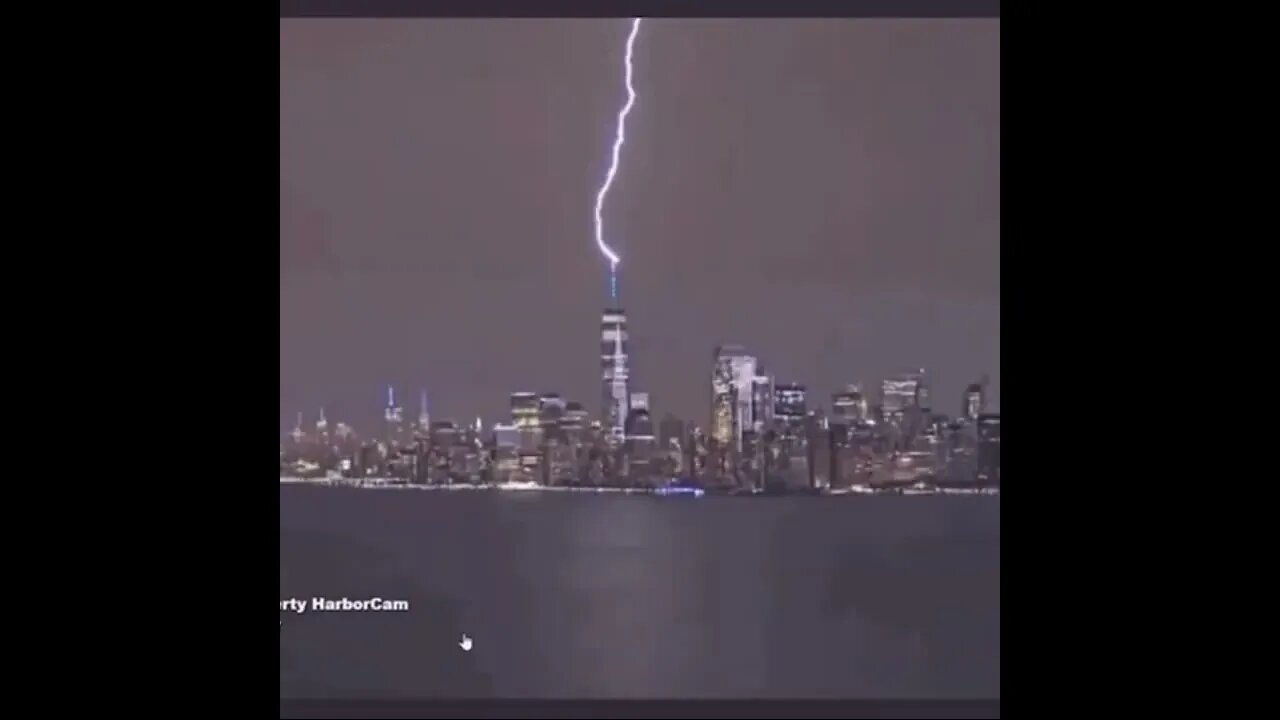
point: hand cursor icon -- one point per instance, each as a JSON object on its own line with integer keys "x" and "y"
{"x": 465, "y": 644}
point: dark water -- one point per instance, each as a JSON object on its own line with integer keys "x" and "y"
{"x": 569, "y": 595}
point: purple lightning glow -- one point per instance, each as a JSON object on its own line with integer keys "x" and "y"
{"x": 618, "y": 141}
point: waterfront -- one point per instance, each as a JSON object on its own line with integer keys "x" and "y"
{"x": 391, "y": 484}
{"x": 600, "y": 595}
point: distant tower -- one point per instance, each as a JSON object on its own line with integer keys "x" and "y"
{"x": 424, "y": 417}
{"x": 615, "y": 375}
{"x": 394, "y": 416}
{"x": 322, "y": 424}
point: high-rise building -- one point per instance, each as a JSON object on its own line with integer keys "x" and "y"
{"x": 577, "y": 427}
{"x": 975, "y": 402}
{"x": 819, "y": 452}
{"x": 557, "y": 467}
{"x": 989, "y": 448}
{"x": 761, "y": 402}
{"x": 641, "y": 446}
{"x": 443, "y": 461}
{"x": 849, "y": 406}
{"x": 897, "y": 394}
{"x": 506, "y": 457}
{"x": 393, "y": 417}
{"x": 790, "y": 404}
{"x": 733, "y": 379}
{"x": 639, "y": 401}
{"x": 526, "y": 415}
{"x": 298, "y": 435}
{"x": 615, "y": 375}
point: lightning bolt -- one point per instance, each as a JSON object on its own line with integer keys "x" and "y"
{"x": 619, "y": 139}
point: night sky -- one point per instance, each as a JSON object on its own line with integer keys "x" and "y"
{"x": 824, "y": 192}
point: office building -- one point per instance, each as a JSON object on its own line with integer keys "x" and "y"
{"x": 761, "y": 402}
{"x": 506, "y": 449}
{"x": 790, "y": 404}
{"x": 641, "y": 447}
{"x": 424, "y": 417}
{"x": 615, "y": 373}
{"x": 849, "y": 406}
{"x": 733, "y": 379}
{"x": 975, "y": 402}
{"x": 393, "y": 420}
{"x": 526, "y": 415}
{"x": 817, "y": 460}
{"x": 899, "y": 393}
{"x": 442, "y": 458}
{"x": 989, "y": 449}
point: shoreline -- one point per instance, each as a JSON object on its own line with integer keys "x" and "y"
{"x": 385, "y": 484}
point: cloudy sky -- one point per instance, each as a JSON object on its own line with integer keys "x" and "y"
{"x": 824, "y": 192}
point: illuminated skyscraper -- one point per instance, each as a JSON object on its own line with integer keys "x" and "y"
{"x": 506, "y": 453}
{"x": 789, "y": 453}
{"x": 641, "y": 447}
{"x": 903, "y": 394}
{"x": 897, "y": 394}
{"x": 394, "y": 419}
{"x": 790, "y": 405}
{"x": 526, "y": 411}
{"x": 424, "y": 417}
{"x": 733, "y": 379}
{"x": 557, "y": 465}
{"x": 614, "y": 373}
{"x": 761, "y": 402}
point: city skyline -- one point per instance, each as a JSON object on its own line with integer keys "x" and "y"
{"x": 827, "y": 403}
{"x": 840, "y": 218}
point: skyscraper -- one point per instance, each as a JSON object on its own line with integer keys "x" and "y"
{"x": 790, "y": 405}
{"x": 975, "y": 402}
{"x": 614, "y": 373}
{"x": 897, "y": 394}
{"x": 394, "y": 418}
{"x": 424, "y": 417}
{"x": 733, "y": 378}
{"x": 641, "y": 447}
{"x": 526, "y": 408}
{"x": 761, "y": 401}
